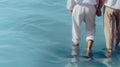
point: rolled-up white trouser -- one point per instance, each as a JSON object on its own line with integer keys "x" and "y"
{"x": 87, "y": 14}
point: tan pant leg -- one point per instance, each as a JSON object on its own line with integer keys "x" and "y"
{"x": 109, "y": 25}
{"x": 117, "y": 27}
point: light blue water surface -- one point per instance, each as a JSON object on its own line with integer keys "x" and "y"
{"x": 37, "y": 33}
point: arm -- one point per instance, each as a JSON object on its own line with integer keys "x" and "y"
{"x": 70, "y": 5}
{"x": 100, "y": 4}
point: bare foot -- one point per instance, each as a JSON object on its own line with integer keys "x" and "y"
{"x": 75, "y": 50}
{"x": 108, "y": 53}
{"x": 89, "y": 53}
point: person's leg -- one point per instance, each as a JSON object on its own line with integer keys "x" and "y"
{"x": 117, "y": 36}
{"x": 90, "y": 14}
{"x": 89, "y": 48}
{"x": 77, "y": 18}
{"x": 75, "y": 52}
{"x": 109, "y": 25}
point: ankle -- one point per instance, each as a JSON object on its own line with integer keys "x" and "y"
{"x": 109, "y": 50}
{"x": 89, "y": 50}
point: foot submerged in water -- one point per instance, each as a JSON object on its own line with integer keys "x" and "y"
{"x": 108, "y": 53}
{"x": 89, "y": 53}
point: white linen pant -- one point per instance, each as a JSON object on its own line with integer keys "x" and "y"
{"x": 87, "y": 14}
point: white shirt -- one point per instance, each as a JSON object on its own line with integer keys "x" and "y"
{"x": 113, "y": 3}
{"x": 72, "y": 3}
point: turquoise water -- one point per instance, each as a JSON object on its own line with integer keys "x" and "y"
{"x": 37, "y": 33}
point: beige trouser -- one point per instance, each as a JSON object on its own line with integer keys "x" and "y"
{"x": 111, "y": 26}
{"x": 87, "y": 13}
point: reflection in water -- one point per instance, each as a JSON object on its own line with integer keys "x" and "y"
{"x": 77, "y": 60}
{"x": 75, "y": 54}
{"x": 107, "y": 61}
{"x": 116, "y": 57}
{"x": 113, "y": 60}
{"x": 75, "y": 57}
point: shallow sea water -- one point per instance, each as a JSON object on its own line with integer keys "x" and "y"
{"x": 37, "y": 33}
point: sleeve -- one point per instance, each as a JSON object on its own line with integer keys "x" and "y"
{"x": 97, "y": 3}
{"x": 70, "y": 4}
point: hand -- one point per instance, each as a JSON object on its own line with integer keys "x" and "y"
{"x": 98, "y": 13}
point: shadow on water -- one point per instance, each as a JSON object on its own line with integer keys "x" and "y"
{"x": 97, "y": 60}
